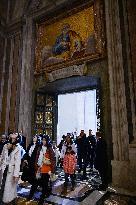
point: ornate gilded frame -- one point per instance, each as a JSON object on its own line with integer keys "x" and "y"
{"x": 98, "y": 32}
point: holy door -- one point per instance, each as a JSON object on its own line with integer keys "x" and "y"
{"x": 46, "y": 111}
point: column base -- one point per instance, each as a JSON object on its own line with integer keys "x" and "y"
{"x": 120, "y": 174}
{"x": 132, "y": 170}
{"x": 124, "y": 172}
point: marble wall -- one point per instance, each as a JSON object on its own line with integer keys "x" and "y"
{"x": 2, "y": 44}
{"x": 10, "y": 83}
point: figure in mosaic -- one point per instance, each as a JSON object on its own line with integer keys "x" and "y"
{"x": 67, "y": 43}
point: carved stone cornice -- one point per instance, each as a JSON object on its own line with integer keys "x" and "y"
{"x": 133, "y": 144}
{"x": 11, "y": 29}
{"x": 14, "y": 27}
{"x": 52, "y": 7}
{"x": 31, "y": 6}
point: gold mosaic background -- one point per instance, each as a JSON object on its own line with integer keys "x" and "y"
{"x": 81, "y": 22}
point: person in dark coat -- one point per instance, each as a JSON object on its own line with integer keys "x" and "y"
{"x": 61, "y": 142}
{"x": 22, "y": 140}
{"x": 3, "y": 140}
{"x": 82, "y": 152}
{"x": 101, "y": 160}
{"x": 92, "y": 145}
{"x": 30, "y": 167}
{"x": 60, "y": 145}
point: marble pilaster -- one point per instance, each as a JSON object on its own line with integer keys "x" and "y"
{"x": 130, "y": 73}
{"x": 25, "y": 107}
{"x": 132, "y": 169}
{"x": 2, "y": 77}
{"x": 120, "y": 137}
{"x": 10, "y": 78}
{"x": 9, "y": 87}
{"x": 132, "y": 145}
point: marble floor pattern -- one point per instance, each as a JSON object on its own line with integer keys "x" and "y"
{"x": 85, "y": 192}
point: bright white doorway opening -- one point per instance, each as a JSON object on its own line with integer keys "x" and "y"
{"x": 76, "y": 111}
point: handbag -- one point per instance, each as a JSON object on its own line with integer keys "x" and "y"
{"x": 46, "y": 161}
{"x": 53, "y": 177}
{"x": 38, "y": 175}
{"x": 26, "y": 173}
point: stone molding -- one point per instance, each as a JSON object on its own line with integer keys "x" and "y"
{"x": 15, "y": 27}
{"x": 12, "y": 29}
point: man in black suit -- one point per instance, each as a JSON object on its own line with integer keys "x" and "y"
{"x": 82, "y": 152}
{"x": 92, "y": 146}
{"x": 101, "y": 160}
{"x": 3, "y": 139}
{"x": 22, "y": 140}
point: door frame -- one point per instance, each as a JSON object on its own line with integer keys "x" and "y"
{"x": 53, "y": 85}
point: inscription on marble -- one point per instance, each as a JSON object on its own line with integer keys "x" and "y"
{"x": 67, "y": 72}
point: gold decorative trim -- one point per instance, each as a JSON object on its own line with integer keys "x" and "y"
{"x": 98, "y": 35}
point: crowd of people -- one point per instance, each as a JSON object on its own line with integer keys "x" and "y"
{"x": 39, "y": 161}
{"x": 90, "y": 151}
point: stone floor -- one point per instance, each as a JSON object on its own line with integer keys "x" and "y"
{"x": 85, "y": 192}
